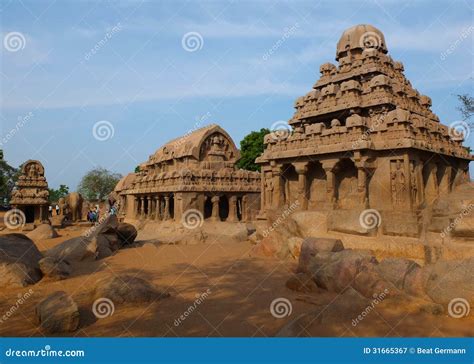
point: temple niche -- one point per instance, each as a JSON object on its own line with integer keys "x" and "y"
{"x": 363, "y": 138}
{"x": 30, "y": 193}
{"x": 194, "y": 172}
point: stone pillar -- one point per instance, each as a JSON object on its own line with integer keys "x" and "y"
{"x": 328, "y": 167}
{"x": 157, "y": 208}
{"x": 166, "y": 214}
{"x": 149, "y": 207}
{"x": 362, "y": 183}
{"x": 215, "y": 208}
{"x": 276, "y": 177}
{"x": 302, "y": 170}
{"x": 142, "y": 207}
{"x": 233, "y": 209}
{"x": 135, "y": 207}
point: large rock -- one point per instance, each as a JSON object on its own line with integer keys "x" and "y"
{"x": 126, "y": 233}
{"x": 55, "y": 269}
{"x": 19, "y": 259}
{"x": 58, "y": 313}
{"x": 395, "y": 270}
{"x": 337, "y": 271}
{"x": 43, "y": 232}
{"x": 312, "y": 246}
{"x": 75, "y": 250}
{"x": 452, "y": 279}
{"x": 126, "y": 289}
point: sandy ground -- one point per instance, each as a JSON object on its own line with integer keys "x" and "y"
{"x": 241, "y": 288}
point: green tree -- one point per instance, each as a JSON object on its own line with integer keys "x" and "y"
{"x": 8, "y": 177}
{"x": 98, "y": 183}
{"x": 137, "y": 169}
{"x": 250, "y": 148}
{"x": 55, "y": 195}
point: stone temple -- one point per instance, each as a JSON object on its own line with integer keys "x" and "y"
{"x": 363, "y": 138}
{"x": 194, "y": 172}
{"x": 30, "y": 194}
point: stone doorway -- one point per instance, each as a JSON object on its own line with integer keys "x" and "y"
{"x": 223, "y": 208}
{"x": 29, "y": 214}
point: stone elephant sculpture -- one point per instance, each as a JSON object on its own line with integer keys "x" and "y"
{"x": 74, "y": 203}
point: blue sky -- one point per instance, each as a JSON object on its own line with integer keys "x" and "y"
{"x": 124, "y": 62}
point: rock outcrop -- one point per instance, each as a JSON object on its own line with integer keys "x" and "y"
{"x": 43, "y": 232}
{"x": 58, "y": 313}
{"x": 19, "y": 261}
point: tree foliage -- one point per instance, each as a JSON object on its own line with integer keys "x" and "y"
{"x": 8, "y": 177}
{"x": 55, "y": 195}
{"x": 250, "y": 148}
{"x": 467, "y": 105}
{"x": 98, "y": 183}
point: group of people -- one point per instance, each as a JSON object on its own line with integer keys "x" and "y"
{"x": 50, "y": 210}
{"x": 93, "y": 214}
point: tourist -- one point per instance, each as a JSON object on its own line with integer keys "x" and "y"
{"x": 57, "y": 209}
{"x": 50, "y": 209}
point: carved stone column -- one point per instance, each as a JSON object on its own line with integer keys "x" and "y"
{"x": 142, "y": 207}
{"x": 233, "y": 209}
{"x": 276, "y": 177}
{"x": 215, "y": 208}
{"x": 362, "y": 183}
{"x": 149, "y": 207}
{"x": 328, "y": 167}
{"x": 166, "y": 213}
{"x": 302, "y": 170}
{"x": 157, "y": 208}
